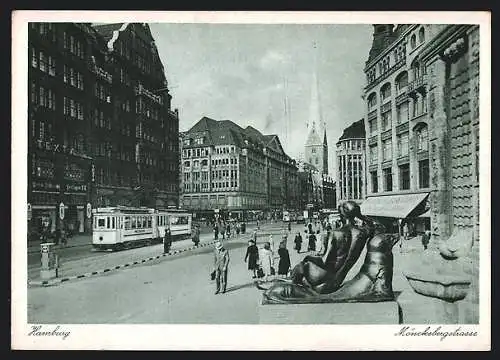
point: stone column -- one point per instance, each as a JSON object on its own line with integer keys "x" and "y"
{"x": 441, "y": 220}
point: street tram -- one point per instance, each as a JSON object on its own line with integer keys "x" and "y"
{"x": 120, "y": 227}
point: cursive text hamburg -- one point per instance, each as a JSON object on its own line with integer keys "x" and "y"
{"x": 39, "y": 330}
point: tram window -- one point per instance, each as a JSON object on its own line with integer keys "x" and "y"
{"x": 134, "y": 222}
{"x": 149, "y": 221}
{"x": 113, "y": 223}
{"x": 101, "y": 222}
{"x": 127, "y": 223}
{"x": 139, "y": 222}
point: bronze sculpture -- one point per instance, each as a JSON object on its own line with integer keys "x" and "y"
{"x": 318, "y": 279}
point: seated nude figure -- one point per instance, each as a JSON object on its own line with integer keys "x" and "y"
{"x": 320, "y": 278}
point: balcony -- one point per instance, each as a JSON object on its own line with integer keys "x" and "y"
{"x": 417, "y": 84}
{"x": 106, "y": 76}
{"x": 141, "y": 90}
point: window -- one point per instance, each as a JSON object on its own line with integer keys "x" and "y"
{"x": 402, "y": 112}
{"x": 422, "y": 138}
{"x": 423, "y": 173}
{"x": 373, "y": 154}
{"x": 413, "y": 41}
{"x": 404, "y": 177}
{"x": 373, "y": 125}
{"x": 387, "y": 179}
{"x": 374, "y": 178}
{"x": 199, "y": 141}
{"x": 385, "y": 92}
{"x": 401, "y": 82}
{"x": 387, "y": 149}
{"x": 403, "y": 144}
{"x": 52, "y": 66}
{"x": 43, "y": 62}
{"x": 421, "y": 35}
{"x": 313, "y": 150}
{"x": 372, "y": 101}
{"x": 387, "y": 120}
{"x": 34, "y": 58}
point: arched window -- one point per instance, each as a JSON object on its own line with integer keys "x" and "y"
{"x": 415, "y": 69}
{"x": 385, "y": 91}
{"x": 413, "y": 41}
{"x": 372, "y": 101}
{"x": 401, "y": 81}
{"x": 421, "y": 35}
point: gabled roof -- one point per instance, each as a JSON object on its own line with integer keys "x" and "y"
{"x": 355, "y": 131}
{"x": 224, "y": 132}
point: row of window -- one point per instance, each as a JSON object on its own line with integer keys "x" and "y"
{"x": 402, "y": 146}
{"x": 44, "y": 29}
{"x": 73, "y": 108}
{"x": 45, "y": 63}
{"x": 73, "y": 77}
{"x": 419, "y": 107}
{"x": 222, "y": 174}
{"x": 404, "y": 177}
{"x": 215, "y": 186}
{"x": 195, "y": 152}
{"x": 401, "y": 82}
{"x": 74, "y": 45}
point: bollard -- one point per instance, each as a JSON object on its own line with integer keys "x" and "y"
{"x": 50, "y": 262}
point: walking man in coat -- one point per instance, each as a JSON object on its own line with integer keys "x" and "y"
{"x": 221, "y": 263}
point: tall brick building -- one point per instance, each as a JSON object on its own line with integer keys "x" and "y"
{"x": 237, "y": 169}
{"x": 100, "y": 123}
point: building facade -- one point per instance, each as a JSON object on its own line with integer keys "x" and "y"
{"x": 451, "y": 62}
{"x": 351, "y": 175}
{"x": 227, "y": 167}
{"x": 85, "y": 102}
{"x": 422, "y": 127}
{"x": 397, "y": 126}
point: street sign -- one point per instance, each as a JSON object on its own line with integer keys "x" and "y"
{"x": 61, "y": 211}
{"x": 89, "y": 210}
{"x": 29, "y": 211}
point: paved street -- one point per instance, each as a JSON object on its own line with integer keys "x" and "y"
{"x": 170, "y": 290}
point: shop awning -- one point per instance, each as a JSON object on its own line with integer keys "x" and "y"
{"x": 392, "y": 206}
{"x": 426, "y": 214}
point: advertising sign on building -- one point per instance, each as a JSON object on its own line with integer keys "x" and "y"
{"x": 61, "y": 211}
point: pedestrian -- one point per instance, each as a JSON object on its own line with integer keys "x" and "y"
{"x": 266, "y": 260}
{"x": 238, "y": 228}
{"x": 426, "y": 236}
{"x": 258, "y": 227}
{"x": 253, "y": 258}
{"x": 196, "y": 235}
{"x": 216, "y": 231}
{"x": 406, "y": 231}
{"x": 320, "y": 238}
{"x": 228, "y": 230}
{"x": 298, "y": 242}
{"x": 284, "y": 263}
{"x": 221, "y": 264}
{"x": 312, "y": 242}
{"x": 289, "y": 226}
{"x": 167, "y": 241}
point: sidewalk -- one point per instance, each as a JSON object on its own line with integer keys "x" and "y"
{"x": 74, "y": 241}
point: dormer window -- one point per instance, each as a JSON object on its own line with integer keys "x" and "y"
{"x": 187, "y": 141}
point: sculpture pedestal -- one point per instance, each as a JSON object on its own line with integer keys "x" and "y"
{"x": 381, "y": 313}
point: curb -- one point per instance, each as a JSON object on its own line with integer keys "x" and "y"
{"x": 103, "y": 271}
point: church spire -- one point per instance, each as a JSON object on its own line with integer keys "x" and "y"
{"x": 315, "y": 121}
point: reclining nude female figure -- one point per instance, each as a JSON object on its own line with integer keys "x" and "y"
{"x": 320, "y": 278}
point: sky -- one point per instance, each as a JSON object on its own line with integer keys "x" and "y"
{"x": 238, "y": 72}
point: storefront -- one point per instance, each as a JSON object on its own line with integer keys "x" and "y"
{"x": 393, "y": 211}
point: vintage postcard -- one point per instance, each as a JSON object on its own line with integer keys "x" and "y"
{"x": 320, "y": 180}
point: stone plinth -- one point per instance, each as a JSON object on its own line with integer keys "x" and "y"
{"x": 420, "y": 309}
{"x": 381, "y": 313}
{"x": 48, "y": 274}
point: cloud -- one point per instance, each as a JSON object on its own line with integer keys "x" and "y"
{"x": 273, "y": 59}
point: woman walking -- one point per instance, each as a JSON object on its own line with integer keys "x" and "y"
{"x": 266, "y": 260}
{"x": 284, "y": 263}
{"x": 253, "y": 257}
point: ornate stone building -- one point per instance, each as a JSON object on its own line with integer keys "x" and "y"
{"x": 351, "y": 176}
{"x": 451, "y": 61}
{"x": 422, "y": 126}
{"x": 228, "y": 167}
